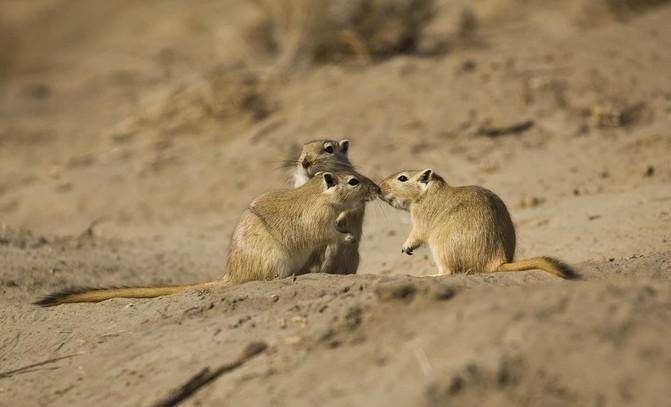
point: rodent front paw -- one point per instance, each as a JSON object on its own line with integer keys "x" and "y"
{"x": 349, "y": 238}
{"x": 407, "y": 250}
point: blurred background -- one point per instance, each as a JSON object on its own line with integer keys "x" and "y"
{"x": 134, "y": 133}
{"x": 175, "y": 113}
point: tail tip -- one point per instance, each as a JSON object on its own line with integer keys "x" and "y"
{"x": 58, "y": 297}
{"x": 567, "y": 272}
{"x": 48, "y": 301}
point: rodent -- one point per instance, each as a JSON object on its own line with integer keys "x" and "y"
{"x": 274, "y": 237}
{"x": 467, "y": 228}
{"x": 320, "y": 156}
{"x": 341, "y": 257}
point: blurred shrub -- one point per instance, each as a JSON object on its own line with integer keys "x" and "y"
{"x": 305, "y": 31}
{"x": 623, "y": 7}
{"x": 221, "y": 99}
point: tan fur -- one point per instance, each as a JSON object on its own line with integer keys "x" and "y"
{"x": 342, "y": 257}
{"x": 467, "y": 228}
{"x": 274, "y": 238}
{"x": 552, "y": 266}
{"x": 87, "y": 295}
{"x": 290, "y": 244}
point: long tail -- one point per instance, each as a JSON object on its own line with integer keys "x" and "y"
{"x": 97, "y": 295}
{"x": 547, "y": 264}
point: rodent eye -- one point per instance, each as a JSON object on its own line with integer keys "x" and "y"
{"x": 353, "y": 182}
{"x": 402, "y": 178}
{"x": 329, "y": 149}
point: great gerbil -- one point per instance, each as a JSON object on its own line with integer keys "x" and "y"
{"x": 468, "y": 228}
{"x": 320, "y": 156}
{"x": 341, "y": 257}
{"x": 274, "y": 238}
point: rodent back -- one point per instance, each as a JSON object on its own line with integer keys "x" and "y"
{"x": 471, "y": 214}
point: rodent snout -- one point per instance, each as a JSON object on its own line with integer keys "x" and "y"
{"x": 382, "y": 187}
{"x": 305, "y": 163}
{"x": 385, "y": 192}
{"x": 375, "y": 192}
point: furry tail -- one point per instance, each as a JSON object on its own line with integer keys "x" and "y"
{"x": 547, "y": 264}
{"x": 97, "y": 295}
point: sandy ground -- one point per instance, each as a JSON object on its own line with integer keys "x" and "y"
{"x": 133, "y": 135}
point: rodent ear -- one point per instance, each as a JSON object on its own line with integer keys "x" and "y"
{"x": 329, "y": 180}
{"x": 344, "y": 145}
{"x": 426, "y": 176}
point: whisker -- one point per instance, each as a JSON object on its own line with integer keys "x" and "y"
{"x": 289, "y": 162}
{"x": 283, "y": 166}
{"x": 281, "y": 161}
{"x": 379, "y": 208}
{"x": 383, "y": 209}
{"x": 284, "y": 163}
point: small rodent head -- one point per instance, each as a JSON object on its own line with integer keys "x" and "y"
{"x": 319, "y": 156}
{"x": 406, "y": 187}
{"x": 348, "y": 189}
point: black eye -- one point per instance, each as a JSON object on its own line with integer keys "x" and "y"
{"x": 402, "y": 178}
{"x": 353, "y": 182}
{"x": 329, "y": 149}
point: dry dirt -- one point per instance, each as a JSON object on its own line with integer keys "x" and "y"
{"x": 133, "y": 134}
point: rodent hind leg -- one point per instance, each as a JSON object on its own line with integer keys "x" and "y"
{"x": 277, "y": 263}
{"x": 328, "y": 260}
{"x": 314, "y": 262}
{"x": 441, "y": 263}
{"x": 346, "y": 260}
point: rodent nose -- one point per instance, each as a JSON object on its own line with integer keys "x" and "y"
{"x": 305, "y": 163}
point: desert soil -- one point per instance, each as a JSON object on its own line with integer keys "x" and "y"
{"x": 133, "y": 134}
